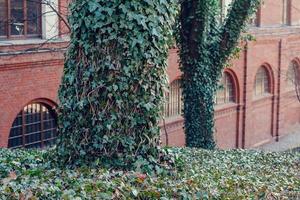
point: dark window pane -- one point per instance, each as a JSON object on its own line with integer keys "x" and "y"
{"x": 17, "y": 17}
{"x": 16, "y": 142}
{"x": 50, "y": 134}
{"x": 18, "y": 121}
{"x": 48, "y": 124}
{"x": 33, "y": 138}
{"x": 16, "y": 131}
{"x": 33, "y": 18}
{"x": 3, "y": 18}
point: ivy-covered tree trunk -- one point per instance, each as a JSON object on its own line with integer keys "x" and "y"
{"x": 205, "y": 44}
{"x": 200, "y": 103}
{"x": 114, "y": 75}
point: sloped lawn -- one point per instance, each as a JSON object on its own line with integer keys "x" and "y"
{"x": 198, "y": 174}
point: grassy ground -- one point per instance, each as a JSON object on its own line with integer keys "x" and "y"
{"x": 197, "y": 174}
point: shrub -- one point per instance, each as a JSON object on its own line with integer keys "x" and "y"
{"x": 198, "y": 174}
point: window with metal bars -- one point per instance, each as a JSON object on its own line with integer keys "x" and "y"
{"x": 20, "y": 19}
{"x": 34, "y": 127}
{"x": 225, "y": 93}
{"x": 173, "y": 103}
{"x": 262, "y": 82}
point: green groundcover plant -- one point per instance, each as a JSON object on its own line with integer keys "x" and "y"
{"x": 195, "y": 174}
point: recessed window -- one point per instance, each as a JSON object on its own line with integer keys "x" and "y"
{"x": 286, "y": 12}
{"x": 225, "y": 6}
{"x": 292, "y": 76}
{"x": 262, "y": 82}
{"x": 34, "y": 127}
{"x": 254, "y": 20}
{"x": 225, "y": 92}
{"x": 173, "y": 105}
{"x": 20, "y": 18}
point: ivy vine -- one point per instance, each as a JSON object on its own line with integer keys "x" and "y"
{"x": 114, "y": 77}
{"x": 205, "y": 44}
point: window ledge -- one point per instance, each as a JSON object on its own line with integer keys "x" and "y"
{"x": 274, "y": 30}
{"x": 290, "y": 89}
{"x": 31, "y": 41}
{"x": 289, "y": 92}
{"x": 262, "y": 97}
{"x": 225, "y": 106}
{"x": 172, "y": 119}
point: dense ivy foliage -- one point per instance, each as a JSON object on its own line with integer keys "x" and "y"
{"x": 205, "y": 44}
{"x": 114, "y": 76}
{"x": 198, "y": 174}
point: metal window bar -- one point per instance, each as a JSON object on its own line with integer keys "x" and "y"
{"x": 173, "y": 100}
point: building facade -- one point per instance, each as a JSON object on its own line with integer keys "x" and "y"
{"x": 256, "y": 103}
{"x": 32, "y": 44}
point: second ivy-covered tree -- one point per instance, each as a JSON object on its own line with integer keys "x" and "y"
{"x": 205, "y": 44}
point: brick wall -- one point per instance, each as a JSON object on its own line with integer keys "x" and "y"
{"x": 252, "y": 121}
{"x": 23, "y": 79}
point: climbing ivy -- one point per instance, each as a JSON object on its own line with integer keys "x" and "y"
{"x": 114, "y": 76}
{"x": 205, "y": 44}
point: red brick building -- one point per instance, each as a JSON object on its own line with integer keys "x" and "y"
{"x": 256, "y": 104}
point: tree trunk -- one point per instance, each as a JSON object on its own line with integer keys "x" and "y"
{"x": 114, "y": 77}
{"x": 205, "y": 44}
{"x": 199, "y": 117}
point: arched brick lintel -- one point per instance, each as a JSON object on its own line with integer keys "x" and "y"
{"x": 296, "y": 60}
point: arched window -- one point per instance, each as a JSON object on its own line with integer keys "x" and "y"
{"x": 292, "y": 76}
{"x": 225, "y": 92}
{"x": 173, "y": 104}
{"x": 262, "y": 82}
{"x": 34, "y": 127}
